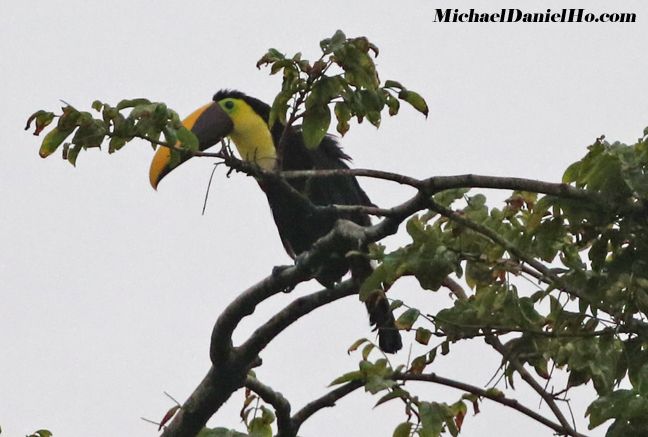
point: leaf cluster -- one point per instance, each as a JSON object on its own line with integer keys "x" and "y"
{"x": 425, "y": 419}
{"x": 585, "y": 262}
{"x": 79, "y": 130}
{"x": 344, "y": 76}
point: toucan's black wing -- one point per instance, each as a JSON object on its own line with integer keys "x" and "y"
{"x": 337, "y": 190}
{"x": 298, "y": 228}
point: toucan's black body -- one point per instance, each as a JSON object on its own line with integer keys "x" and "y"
{"x": 299, "y": 227}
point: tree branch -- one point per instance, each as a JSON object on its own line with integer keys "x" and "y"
{"x": 298, "y": 308}
{"x": 245, "y": 303}
{"x": 328, "y": 400}
{"x": 212, "y": 392}
{"x": 231, "y": 365}
{"x": 526, "y": 376}
{"x": 510, "y": 247}
{"x": 495, "y": 396}
{"x": 436, "y": 184}
{"x": 454, "y": 287}
{"x": 277, "y": 400}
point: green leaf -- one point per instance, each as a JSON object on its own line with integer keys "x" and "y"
{"x": 392, "y": 103}
{"x": 91, "y": 131}
{"x": 407, "y": 319}
{"x": 620, "y": 404}
{"x": 131, "y": 103}
{"x": 259, "y": 428}
{"x": 277, "y": 66}
{"x": 170, "y": 136}
{"x": 343, "y": 115}
{"x": 279, "y": 108}
{"x": 366, "y": 351}
{"x": 432, "y": 419}
{"x": 316, "y": 123}
{"x": 572, "y": 173}
{"x": 448, "y": 197}
{"x": 43, "y": 119}
{"x": 495, "y": 392}
{"x": 423, "y": 335}
{"x": 273, "y": 55}
{"x": 415, "y": 100}
{"x": 52, "y": 141}
{"x": 393, "y": 84}
{"x": 115, "y": 144}
{"x": 359, "y": 68}
{"x": 97, "y": 105}
{"x": 187, "y": 139}
{"x": 598, "y": 253}
{"x": 335, "y": 43}
{"x": 403, "y": 430}
{"x": 347, "y": 377}
{"x": 418, "y": 364}
{"x": 396, "y": 393}
{"x": 356, "y": 344}
{"x": 220, "y": 432}
{"x": 73, "y": 154}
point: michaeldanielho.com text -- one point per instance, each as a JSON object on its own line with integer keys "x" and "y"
{"x": 519, "y": 16}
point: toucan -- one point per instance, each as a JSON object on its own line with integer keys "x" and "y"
{"x": 244, "y": 120}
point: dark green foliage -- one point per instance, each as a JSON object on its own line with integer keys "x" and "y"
{"x": 345, "y": 75}
{"x": 146, "y": 120}
{"x": 595, "y": 280}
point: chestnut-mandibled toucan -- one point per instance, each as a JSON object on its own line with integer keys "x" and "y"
{"x": 244, "y": 120}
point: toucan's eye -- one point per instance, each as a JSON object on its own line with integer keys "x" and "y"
{"x": 229, "y": 104}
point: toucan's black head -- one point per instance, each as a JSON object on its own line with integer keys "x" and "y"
{"x": 261, "y": 108}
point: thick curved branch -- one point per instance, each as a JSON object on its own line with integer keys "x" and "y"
{"x": 278, "y": 402}
{"x": 230, "y": 364}
{"x": 245, "y": 303}
{"x": 212, "y": 392}
{"x": 298, "y": 308}
{"x": 488, "y": 394}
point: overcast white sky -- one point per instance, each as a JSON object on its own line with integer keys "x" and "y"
{"x": 110, "y": 289}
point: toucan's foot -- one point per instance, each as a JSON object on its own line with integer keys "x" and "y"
{"x": 276, "y": 271}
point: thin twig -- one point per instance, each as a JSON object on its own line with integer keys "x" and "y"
{"x": 530, "y": 380}
{"x": 328, "y": 400}
{"x": 489, "y": 394}
{"x": 211, "y": 176}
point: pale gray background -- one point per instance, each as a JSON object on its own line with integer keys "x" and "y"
{"x": 110, "y": 289}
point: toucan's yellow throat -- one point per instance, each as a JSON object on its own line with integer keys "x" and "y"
{"x": 229, "y": 116}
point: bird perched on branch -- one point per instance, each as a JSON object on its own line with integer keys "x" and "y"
{"x": 244, "y": 120}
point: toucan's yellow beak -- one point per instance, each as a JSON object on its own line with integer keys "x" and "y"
{"x": 209, "y": 123}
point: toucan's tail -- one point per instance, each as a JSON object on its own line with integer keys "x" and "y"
{"x": 380, "y": 314}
